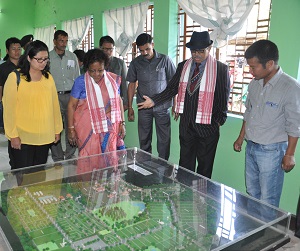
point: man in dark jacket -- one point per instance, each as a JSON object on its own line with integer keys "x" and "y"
{"x": 13, "y": 53}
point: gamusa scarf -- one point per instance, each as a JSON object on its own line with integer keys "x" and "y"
{"x": 96, "y": 105}
{"x": 206, "y": 90}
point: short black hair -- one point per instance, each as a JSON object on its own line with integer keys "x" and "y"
{"x": 26, "y": 39}
{"x": 143, "y": 38}
{"x": 60, "y": 32}
{"x": 94, "y": 55}
{"x": 106, "y": 39}
{"x": 264, "y": 50}
{"x": 10, "y": 41}
{"x": 79, "y": 54}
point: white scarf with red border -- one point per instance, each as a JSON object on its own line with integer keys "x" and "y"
{"x": 96, "y": 105}
{"x": 206, "y": 90}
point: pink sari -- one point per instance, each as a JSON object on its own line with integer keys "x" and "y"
{"x": 90, "y": 143}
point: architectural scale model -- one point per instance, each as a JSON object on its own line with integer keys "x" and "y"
{"x": 108, "y": 213}
{"x": 136, "y": 202}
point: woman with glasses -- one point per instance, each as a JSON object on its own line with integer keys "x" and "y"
{"x": 32, "y": 116}
{"x": 95, "y": 112}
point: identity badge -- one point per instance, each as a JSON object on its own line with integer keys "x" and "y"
{"x": 71, "y": 64}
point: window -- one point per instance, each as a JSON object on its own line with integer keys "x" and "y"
{"x": 255, "y": 28}
{"x": 148, "y": 28}
{"x": 87, "y": 42}
{"x": 186, "y": 27}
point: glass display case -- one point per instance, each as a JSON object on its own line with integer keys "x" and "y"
{"x": 131, "y": 200}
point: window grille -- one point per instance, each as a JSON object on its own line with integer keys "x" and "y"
{"x": 255, "y": 28}
{"x": 87, "y": 42}
{"x": 148, "y": 28}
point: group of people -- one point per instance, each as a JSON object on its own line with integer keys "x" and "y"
{"x": 271, "y": 122}
{"x": 41, "y": 98}
{"x": 90, "y": 100}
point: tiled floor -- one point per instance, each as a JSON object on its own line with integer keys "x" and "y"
{"x": 293, "y": 245}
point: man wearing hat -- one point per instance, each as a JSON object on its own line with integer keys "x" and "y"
{"x": 203, "y": 85}
{"x": 26, "y": 40}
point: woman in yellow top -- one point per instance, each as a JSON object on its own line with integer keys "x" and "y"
{"x": 32, "y": 114}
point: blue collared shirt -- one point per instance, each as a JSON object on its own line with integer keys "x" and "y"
{"x": 152, "y": 75}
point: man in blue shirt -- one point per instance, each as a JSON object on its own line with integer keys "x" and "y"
{"x": 153, "y": 72}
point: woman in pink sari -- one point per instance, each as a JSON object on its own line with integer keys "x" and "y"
{"x": 95, "y": 113}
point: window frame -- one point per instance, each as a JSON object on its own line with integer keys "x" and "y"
{"x": 87, "y": 42}
{"x": 238, "y": 69}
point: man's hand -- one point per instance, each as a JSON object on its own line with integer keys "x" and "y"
{"x": 175, "y": 114}
{"x": 72, "y": 136}
{"x": 288, "y": 163}
{"x": 130, "y": 114}
{"x": 148, "y": 103}
{"x": 122, "y": 130}
{"x": 237, "y": 145}
{"x": 125, "y": 107}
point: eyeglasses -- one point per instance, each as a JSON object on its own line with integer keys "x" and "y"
{"x": 42, "y": 60}
{"x": 107, "y": 49}
{"x": 199, "y": 51}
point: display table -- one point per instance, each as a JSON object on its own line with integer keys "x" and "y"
{"x": 131, "y": 200}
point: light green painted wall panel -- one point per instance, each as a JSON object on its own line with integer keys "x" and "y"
{"x": 16, "y": 20}
{"x": 284, "y": 31}
{"x": 165, "y": 27}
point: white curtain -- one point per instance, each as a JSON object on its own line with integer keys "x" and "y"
{"x": 225, "y": 17}
{"x": 125, "y": 24}
{"x": 76, "y": 29}
{"x": 45, "y": 34}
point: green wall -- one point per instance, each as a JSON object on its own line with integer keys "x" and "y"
{"x": 16, "y": 20}
{"x": 229, "y": 165}
{"x": 32, "y": 14}
{"x": 165, "y": 27}
{"x": 284, "y": 31}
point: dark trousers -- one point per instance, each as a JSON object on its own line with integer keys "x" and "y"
{"x": 203, "y": 149}
{"x": 57, "y": 149}
{"x": 1, "y": 115}
{"x": 297, "y": 231}
{"x": 163, "y": 131}
{"x": 28, "y": 155}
